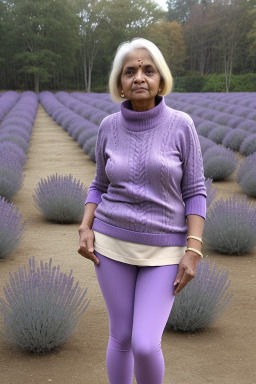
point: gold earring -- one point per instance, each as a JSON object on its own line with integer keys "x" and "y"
{"x": 159, "y": 90}
{"x": 122, "y": 93}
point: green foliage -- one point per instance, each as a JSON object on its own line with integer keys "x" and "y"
{"x": 189, "y": 84}
{"x": 70, "y": 44}
{"x": 169, "y": 37}
{"x": 238, "y": 83}
{"x": 215, "y": 83}
{"x": 47, "y": 35}
{"x": 104, "y": 25}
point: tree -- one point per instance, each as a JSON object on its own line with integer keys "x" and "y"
{"x": 47, "y": 32}
{"x": 104, "y": 24}
{"x": 252, "y": 35}
{"x": 170, "y": 40}
{"x": 200, "y": 38}
{"x": 179, "y": 10}
{"x": 228, "y": 30}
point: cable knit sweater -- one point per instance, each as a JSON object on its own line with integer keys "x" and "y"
{"x": 149, "y": 176}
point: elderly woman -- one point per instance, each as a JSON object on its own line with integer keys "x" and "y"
{"x": 145, "y": 211}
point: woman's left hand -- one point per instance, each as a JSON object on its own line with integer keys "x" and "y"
{"x": 186, "y": 271}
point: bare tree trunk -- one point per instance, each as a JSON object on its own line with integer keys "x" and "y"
{"x": 88, "y": 58}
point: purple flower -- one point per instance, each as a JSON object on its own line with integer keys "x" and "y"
{"x": 218, "y": 133}
{"x": 7, "y": 147}
{"x": 11, "y": 227}
{"x": 234, "y": 138}
{"x": 11, "y": 174}
{"x": 211, "y": 192}
{"x": 248, "y": 145}
{"x": 205, "y": 143}
{"x": 89, "y": 145}
{"x": 246, "y": 175}
{"x": 60, "y": 198}
{"x": 230, "y": 226}
{"x": 90, "y": 131}
{"x": 205, "y": 127}
{"x": 16, "y": 130}
{"x": 15, "y": 139}
{"x": 219, "y": 163}
{"x": 42, "y": 307}
{"x": 8, "y": 100}
{"x": 202, "y": 301}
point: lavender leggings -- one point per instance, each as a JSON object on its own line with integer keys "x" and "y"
{"x": 139, "y": 301}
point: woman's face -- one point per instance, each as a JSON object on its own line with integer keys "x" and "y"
{"x": 140, "y": 79}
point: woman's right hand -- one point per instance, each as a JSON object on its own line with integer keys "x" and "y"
{"x": 86, "y": 245}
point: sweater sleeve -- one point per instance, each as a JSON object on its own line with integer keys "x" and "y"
{"x": 193, "y": 180}
{"x": 101, "y": 182}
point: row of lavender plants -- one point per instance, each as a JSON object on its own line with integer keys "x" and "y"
{"x": 15, "y": 131}
{"x": 211, "y": 306}
{"x": 77, "y": 119}
{"x": 210, "y": 293}
{"x": 41, "y": 304}
{"x": 17, "y": 120}
{"x": 219, "y": 162}
{"x": 221, "y": 119}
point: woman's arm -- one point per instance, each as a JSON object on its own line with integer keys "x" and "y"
{"x": 86, "y": 241}
{"x": 96, "y": 189}
{"x": 188, "y": 263}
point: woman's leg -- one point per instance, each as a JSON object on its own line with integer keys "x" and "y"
{"x": 153, "y": 302}
{"x": 117, "y": 282}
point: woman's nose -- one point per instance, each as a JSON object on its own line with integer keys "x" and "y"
{"x": 139, "y": 77}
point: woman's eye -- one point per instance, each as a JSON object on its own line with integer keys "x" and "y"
{"x": 129, "y": 72}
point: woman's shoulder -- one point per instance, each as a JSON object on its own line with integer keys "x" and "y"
{"x": 182, "y": 117}
{"x": 107, "y": 122}
{"x": 109, "y": 119}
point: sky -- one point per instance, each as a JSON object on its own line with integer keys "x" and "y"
{"x": 162, "y": 3}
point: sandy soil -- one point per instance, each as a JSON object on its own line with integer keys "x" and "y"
{"x": 223, "y": 353}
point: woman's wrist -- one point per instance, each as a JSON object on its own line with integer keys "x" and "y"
{"x": 84, "y": 228}
{"x": 194, "y": 251}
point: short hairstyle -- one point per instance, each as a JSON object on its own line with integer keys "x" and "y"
{"x": 117, "y": 66}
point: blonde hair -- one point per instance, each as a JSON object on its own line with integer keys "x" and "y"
{"x": 117, "y": 66}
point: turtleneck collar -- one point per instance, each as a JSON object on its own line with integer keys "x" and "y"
{"x": 142, "y": 121}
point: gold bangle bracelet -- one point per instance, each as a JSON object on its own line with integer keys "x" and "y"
{"x": 196, "y": 238}
{"x": 196, "y": 251}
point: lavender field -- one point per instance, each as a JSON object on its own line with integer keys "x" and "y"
{"x": 49, "y": 134}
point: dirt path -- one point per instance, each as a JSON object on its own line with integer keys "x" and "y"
{"x": 222, "y": 354}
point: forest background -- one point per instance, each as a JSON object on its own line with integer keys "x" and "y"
{"x": 210, "y": 45}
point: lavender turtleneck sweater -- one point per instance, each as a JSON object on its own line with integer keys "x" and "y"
{"x": 149, "y": 176}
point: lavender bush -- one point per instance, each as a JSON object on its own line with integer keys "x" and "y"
{"x": 246, "y": 175}
{"x": 205, "y": 143}
{"x": 219, "y": 163}
{"x": 218, "y": 133}
{"x": 42, "y": 307}
{"x": 15, "y": 139}
{"x": 202, "y": 301}
{"x": 248, "y": 182}
{"x": 61, "y": 198}
{"x": 230, "y": 226}
{"x": 211, "y": 192}
{"x": 7, "y": 147}
{"x": 8, "y": 100}
{"x": 246, "y": 165}
{"x": 11, "y": 174}
{"x": 205, "y": 128}
{"x": 234, "y": 138}
{"x": 248, "y": 146}
{"x": 90, "y": 144}
{"x": 11, "y": 227}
